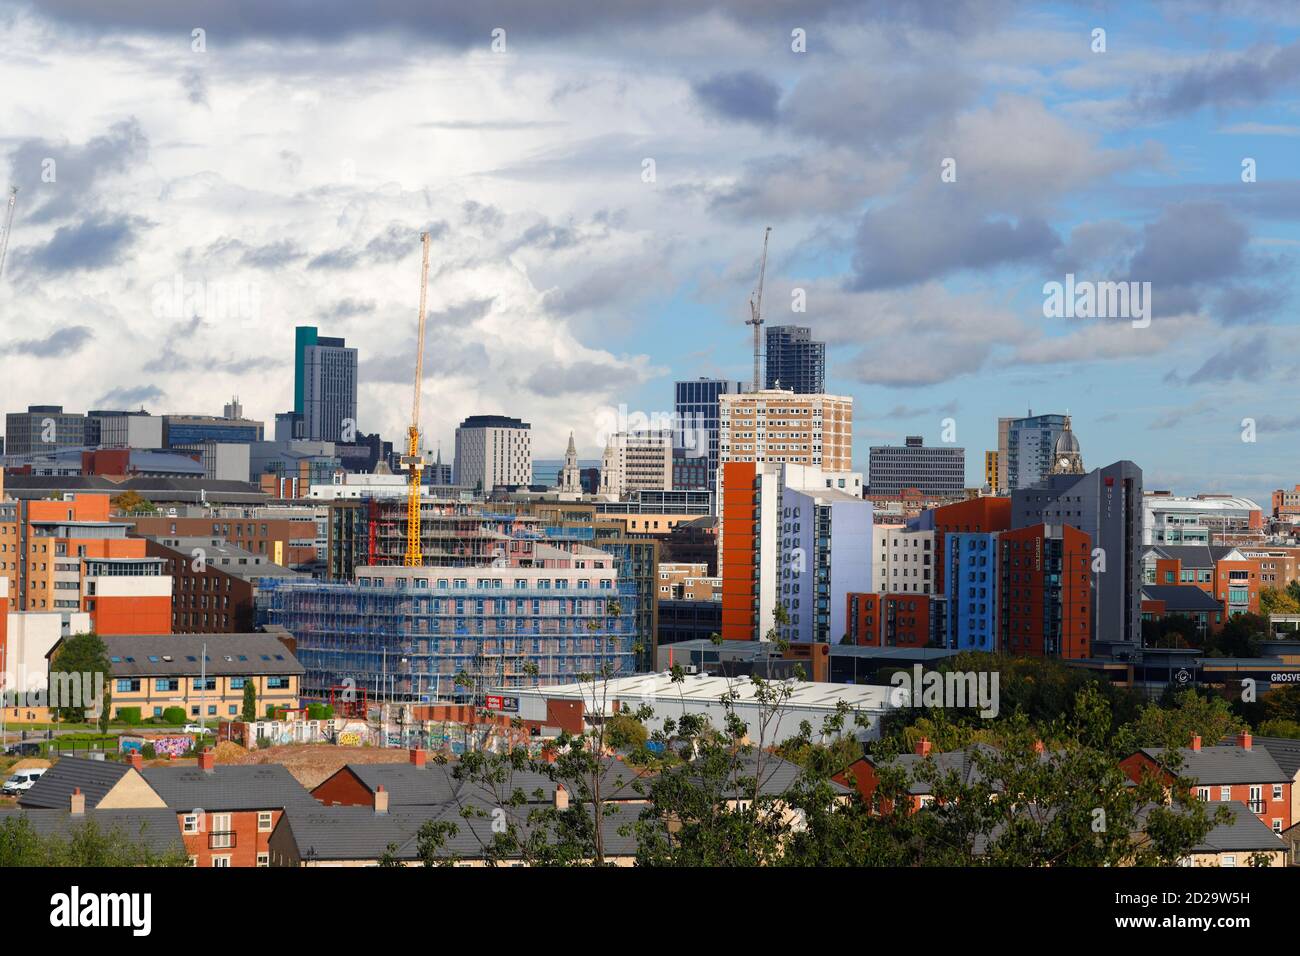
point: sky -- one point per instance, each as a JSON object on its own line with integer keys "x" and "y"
{"x": 596, "y": 183}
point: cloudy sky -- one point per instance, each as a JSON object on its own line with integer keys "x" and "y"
{"x": 597, "y": 182}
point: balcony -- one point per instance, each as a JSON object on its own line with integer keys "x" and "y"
{"x": 221, "y": 840}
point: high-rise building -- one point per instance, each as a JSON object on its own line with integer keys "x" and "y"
{"x": 121, "y": 429}
{"x": 991, "y": 472}
{"x": 1106, "y": 504}
{"x": 758, "y": 541}
{"x": 1025, "y": 450}
{"x": 1044, "y": 591}
{"x": 637, "y": 461}
{"x": 71, "y": 558}
{"x": 825, "y": 540}
{"x": 938, "y": 471}
{"x": 794, "y": 361}
{"x": 43, "y": 428}
{"x": 779, "y": 427}
{"x": 698, "y": 409}
{"x": 903, "y": 560}
{"x": 325, "y": 387}
{"x": 184, "y": 430}
{"x": 493, "y": 450}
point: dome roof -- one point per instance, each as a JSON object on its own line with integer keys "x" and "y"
{"x": 1066, "y": 443}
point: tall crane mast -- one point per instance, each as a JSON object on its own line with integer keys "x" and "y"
{"x": 9, "y": 226}
{"x": 413, "y": 460}
{"x": 756, "y": 310}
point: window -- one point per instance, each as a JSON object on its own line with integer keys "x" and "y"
{"x": 191, "y": 823}
{"x": 1228, "y": 860}
{"x": 222, "y": 862}
{"x": 264, "y": 821}
{"x": 1277, "y": 791}
{"x": 263, "y": 859}
{"x": 1225, "y": 793}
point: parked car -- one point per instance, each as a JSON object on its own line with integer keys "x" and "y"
{"x": 196, "y": 729}
{"x": 27, "y": 748}
{"x": 22, "y": 780}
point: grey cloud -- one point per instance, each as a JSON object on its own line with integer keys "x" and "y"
{"x": 1246, "y": 359}
{"x": 552, "y": 381}
{"x": 448, "y": 22}
{"x": 94, "y": 243}
{"x": 196, "y": 87}
{"x": 58, "y": 344}
{"x": 348, "y": 308}
{"x": 271, "y": 255}
{"x": 745, "y": 95}
{"x": 1244, "y": 79}
{"x": 129, "y": 396}
{"x": 78, "y": 170}
{"x": 908, "y": 242}
{"x": 396, "y": 242}
{"x": 1190, "y": 243}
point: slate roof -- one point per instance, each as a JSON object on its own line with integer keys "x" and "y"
{"x": 358, "y": 833}
{"x": 1201, "y": 556}
{"x": 1181, "y": 597}
{"x": 156, "y": 827}
{"x": 236, "y": 655}
{"x": 775, "y": 776}
{"x": 94, "y": 777}
{"x": 1223, "y": 765}
{"x": 228, "y": 787}
{"x": 960, "y": 761}
{"x": 1247, "y": 832}
{"x": 1285, "y": 752}
{"x": 433, "y": 784}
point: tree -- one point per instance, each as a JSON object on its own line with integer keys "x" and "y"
{"x": 1240, "y": 636}
{"x": 1275, "y": 601}
{"x": 1187, "y": 714}
{"x": 81, "y": 654}
{"x": 131, "y": 502}
{"x": 1280, "y": 728}
{"x": 81, "y": 845}
{"x": 249, "y": 714}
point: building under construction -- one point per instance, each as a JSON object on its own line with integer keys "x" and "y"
{"x": 537, "y": 614}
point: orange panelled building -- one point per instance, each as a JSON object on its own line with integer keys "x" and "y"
{"x": 66, "y": 555}
{"x": 738, "y": 543}
{"x": 890, "y": 620}
{"x": 1044, "y": 592}
{"x": 982, "y": 515}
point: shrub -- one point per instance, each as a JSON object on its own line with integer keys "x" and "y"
{"x": 174, "y": 716}
{"x": 129, "y": 715}
{"x": 149, "y": 752}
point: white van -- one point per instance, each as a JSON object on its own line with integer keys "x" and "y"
{"x": 23, "y": 780}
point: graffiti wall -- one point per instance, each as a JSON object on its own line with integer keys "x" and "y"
{"x": 164, "y": 745}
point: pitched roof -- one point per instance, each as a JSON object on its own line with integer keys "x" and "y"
{"x": 359, "y": 833}
{"x": 228, "y": 787}
{"x": 1284, "y": 750}
{"x": 960, "y": 761}
{"x": 1224, "y": 765}
{"x": 147, "y": 655}
{"x": 1246, "y": 832}
{"x": 1181, "y": 597}
{"x": 775, "y": 776}
{"x": 157, "y": 828}
{"x": 93, "y": 777}
{"x": 433, "y": 784}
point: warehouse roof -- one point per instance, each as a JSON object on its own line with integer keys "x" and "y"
{"x": 702, "y": 687}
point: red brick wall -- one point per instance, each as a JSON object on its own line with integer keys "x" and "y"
{"x": 247, "y": 839}
{"x": 343, "y": 788}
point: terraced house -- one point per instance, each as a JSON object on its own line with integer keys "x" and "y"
{"x": 203, "y": 673}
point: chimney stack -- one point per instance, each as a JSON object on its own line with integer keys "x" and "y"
{"x": 77, "y": 802}
{"x": 137, "y": 760}
{"x": 1244, "y": 740}
{"x": 207, "y": 760}
{"x": 381, "y": 799}
{"x": 923, "y": 747}
{"x": 561, "y": 797}
{"x": 418, "y": 756}
{"x": 1196, "y": 743}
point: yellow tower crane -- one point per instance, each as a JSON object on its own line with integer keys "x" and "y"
{"x": 413, "y": 460}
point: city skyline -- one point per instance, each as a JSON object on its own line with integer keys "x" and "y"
{"x": 564, "y": 283}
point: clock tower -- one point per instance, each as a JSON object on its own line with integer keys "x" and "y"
{"x": 1067, "y": 459}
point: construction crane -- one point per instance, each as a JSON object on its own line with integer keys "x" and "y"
{"x": 756, "y": 309}
{"x": 413, "y": 460}
{"x": 9, "y": 226}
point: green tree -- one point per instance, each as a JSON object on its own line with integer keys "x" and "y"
{"x": 1275, "y": 601}
{"x": 249, "y": 714}
{"x": 1240, "y": 636}
{"x": 131, "y": 502}
{"x": 1174, "y": 723}
{"x": 82, "y": 654}
{"x": 81, "y": 845}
